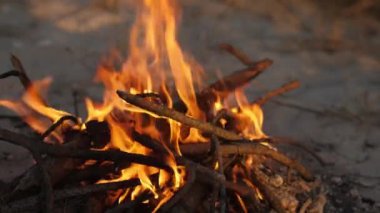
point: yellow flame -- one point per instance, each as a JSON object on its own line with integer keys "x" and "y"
{"x": 155, "y": 58}
{"x": 251, "y": 112}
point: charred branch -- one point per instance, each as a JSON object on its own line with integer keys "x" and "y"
{"x": 163, "y": 111}
{"x": 61, "y": 151}
{"x": 61, "y": 194}
{"x": 55, "y": 125}
{"x": 17, "y": 65}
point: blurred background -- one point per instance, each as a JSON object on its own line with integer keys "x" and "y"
{"x": 331, "y": 46}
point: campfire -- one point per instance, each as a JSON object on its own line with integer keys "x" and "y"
{"x": 160, "y": 140}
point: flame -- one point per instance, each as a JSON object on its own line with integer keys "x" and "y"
{"x": 251, "y": 112}
{"x": 34, "y": 110}
{"x": 155, "y": 59}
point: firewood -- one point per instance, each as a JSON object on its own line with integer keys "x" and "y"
{"x": 183, "y": 192}
{"x": 276, "y": 92}
{"x": 61, "y": 194}
{"x": 239, "y": 78}
{"x": 224, "y": 86}
{"x": 248, "y": 148}
{"x": 261, "y": 182}
{"x": 62, "y": 151}
{"x": 161, "y": 110}
{"x": 240, "y": 55}
{"x": 57, "y": 168}
{"x": 58, "y": 123}
{"x": 215, "y": 147}
{"x": 17, "y": 65}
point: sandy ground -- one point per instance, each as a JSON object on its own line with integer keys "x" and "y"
{"x": 336, "y": 57}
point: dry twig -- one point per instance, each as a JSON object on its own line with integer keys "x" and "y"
{"x": 61, "y": 151}
{"x": 240, "y": 55}
{"x": 249, "y": 148}
{"x": 57, "y": 124}
{"x": 17, "y": 65}
{"x": 73, "y": 192}
{"x": 177, "y": 116}
{"x": 260, "y": 181}
{"x": 276, "y": 92}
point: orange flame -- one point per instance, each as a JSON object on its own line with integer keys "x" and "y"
{"x": 154, "y": 59}
{"x": 33, "y": 109}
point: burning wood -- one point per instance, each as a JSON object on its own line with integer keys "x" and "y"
{"x": 148, "y": 144}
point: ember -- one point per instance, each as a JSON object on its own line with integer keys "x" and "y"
{"x": 159, "y": 141}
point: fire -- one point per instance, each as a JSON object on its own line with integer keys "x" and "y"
{"x": 155, "y": 59}
{"x": 34, "y": 110}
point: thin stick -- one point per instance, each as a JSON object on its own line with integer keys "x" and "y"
{"x": 58, "y": 168}
{"x": 229, "y": 83}
{"x": 262, "y": 183}
{"x": 149, "y": 95}
{"x": 74, "y": 192}
{"x": 57, "y": 124}
{"x": 239, "y": 78}
{"x": 149, "y": 142}
{"x": 240, "y": 55}
{"x": 46, "y": 187}
{"x": 259, "y": 149}
{"x": 244, "y": 148}
{"x": 9, "y": 74}
{"x": 276, "y": 92}
{"x": 17, "y": 65}
{"x": 218, "y": 155}
{"x": 61, "y": 151}
{"x": 177, "y": 116}
{"x": 206, "y": 175}
{"x": 191, "y": 175}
